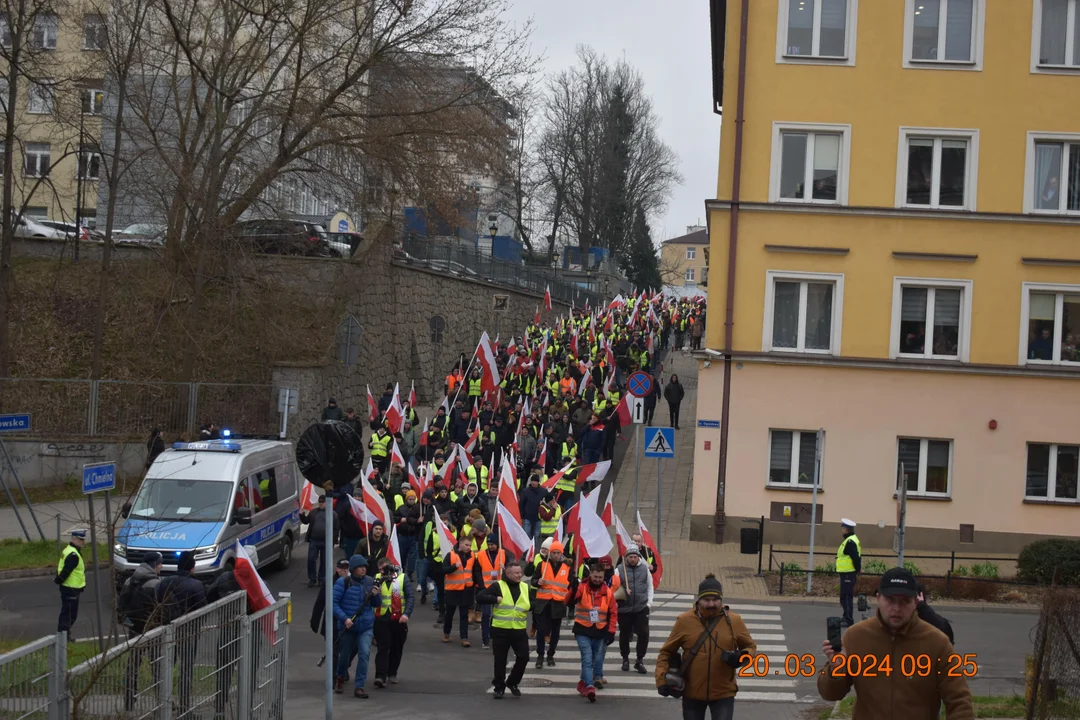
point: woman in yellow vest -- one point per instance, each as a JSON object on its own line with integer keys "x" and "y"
{"x": 509, "y": 600}
{"x": 71, "y": 577}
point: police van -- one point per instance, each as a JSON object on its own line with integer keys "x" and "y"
{"x": 207, "y": 496}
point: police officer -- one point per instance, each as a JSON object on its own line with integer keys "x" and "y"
{"x": 848, "y": 567}
{"x": 71, "y": 577}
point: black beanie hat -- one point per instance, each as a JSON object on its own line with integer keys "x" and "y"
{"x": 710, "y": 587}
{"x": 186, "y": 562}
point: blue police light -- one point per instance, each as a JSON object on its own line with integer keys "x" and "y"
{"x": 225, "y": 432}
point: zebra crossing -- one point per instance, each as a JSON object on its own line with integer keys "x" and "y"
{"x": 763, "y": 621}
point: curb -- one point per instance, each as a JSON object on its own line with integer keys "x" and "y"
{"x": 972, "y": 607}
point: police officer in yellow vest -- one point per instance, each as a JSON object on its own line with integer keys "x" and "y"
{"x": 848, "y": 567}
{"x": 509, "y": 617}
{"x": 71, "y": 577}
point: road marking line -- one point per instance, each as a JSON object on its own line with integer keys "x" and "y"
{"x": 788, "y": 697}
{"x": 615, "y": 679}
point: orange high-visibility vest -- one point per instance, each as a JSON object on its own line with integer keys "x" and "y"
{"x": 585, "y": 606}
{"x": 489, "y": 572}
{"x": 556, "y": 585}
{"x": 461, "y": 577}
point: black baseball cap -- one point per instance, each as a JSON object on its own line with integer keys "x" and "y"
{"x": 343, "y": 563}
{"x": 898, "y": 581}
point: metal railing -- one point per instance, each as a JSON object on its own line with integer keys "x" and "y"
{"x": 130, "y": 409}
{"x": 452, "y": 258}
{"x": 31, "y": 679}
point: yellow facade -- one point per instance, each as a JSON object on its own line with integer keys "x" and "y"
{"x": 871, "y": 249}
{"x": 682, "y": 254}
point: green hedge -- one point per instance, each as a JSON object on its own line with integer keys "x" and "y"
{"x": 1039, "y": 561}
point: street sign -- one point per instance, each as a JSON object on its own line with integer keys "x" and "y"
{"x": 288, "y": 398}
{"x": 708, "y": 423}
{"x": 637, "y": 409}
{"x": 98, "y": 476}
{"x": 639, "y": 384}
{"x": 659, "y": 442}
{"x": 17, "y": 422}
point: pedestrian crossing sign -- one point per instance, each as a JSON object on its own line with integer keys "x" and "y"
{"x": 659, "y": 442}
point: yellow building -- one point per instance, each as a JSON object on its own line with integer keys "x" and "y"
{"x": 899, "y": 191}
{"x": 683, "y": 259}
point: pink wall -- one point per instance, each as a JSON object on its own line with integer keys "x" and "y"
{"x": 863, "y": 412}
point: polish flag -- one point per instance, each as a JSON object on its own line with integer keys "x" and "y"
{"x": 647, "y": 538}
{"x": 536, "y": 317}
{"x": 412, "y": 395}
{"x": 369, "y": 471}
{"x": 375, "y": 504}
{"x": 633, "y": 315}
{"x": 424, "y": 435}
{"x": 485, "y": 356}
{"x": 470, "y": 444}
{"x": 360, "y": 512}
{"x": 573, "y": 344}
{"x": 547, "y": 298}
{"x": 414, "y": 482}
{"x": 542, "y": 460}
{"x": 586, "y": 380}
{"x": 446, "y": 405}
{"x": 609, "y": 323}
{"x": 393, "y": 551}
{"x": 623, "y": 410}
{"x": 651, "y": 317}
{"x": 617, "y": 302}
{"x": 622, "y": 537}
{"x": 609, "y": 356}
{"x": 394, "y": 414}
{"x": 308, "y": 497}
{"x": 373, "y": 407}
{"x": 508, "y": 497}
{"x": 396, "y": 456}
{"x": 464, "y": 458}
{"x": 247, "y": 577}
{"x": 446, "y": 538}
{"x": 445, "y": 474}
{"x": 556, "y": 477}
{"x": 593, "y": 533}
{"x": 593, "y": 471}
{"x": 512, "y": 536}
{"x": 511, "y": 348}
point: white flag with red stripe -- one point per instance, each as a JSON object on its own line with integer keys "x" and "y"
{"x": 593, "y": 533}
{"x": 542, "y": 460}
{"x": 556, "y": 477}
{"x": 547, "y": 298}
{"x": 623, "y": 410}
{"x": 395, "y": 415}
{"x": 373, "y": 407}
{"x": 513, "y": 537}
{"x": 375, "y": 504}
{"x": 647, "y": 538}
{"x": 622, "y": 536}
{"x": 415, "y": 482}
{"x": 360, "y": 512}
{"x": 446, "y": 538}
{"x": 470, "y": 444}
{"x": 424, "y": 434}
{"x": 412, "y": 395}
{"x": 508, "y": 496}
{"x": 594, "y": 472}
{"x": 396, "y": 456}
{"x": 308, "y": 497}
{"x": 247, "y": 577}
{"x": 485, "y": 356}
{"x": 393, "y": 551}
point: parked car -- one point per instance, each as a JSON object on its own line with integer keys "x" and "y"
{"x": 142, "y": 230}
{"x": 283, "y": 237}
{"x": 69, "y": 230}
{"x": 26, "y": 227}
{"x": 344, "y": 243}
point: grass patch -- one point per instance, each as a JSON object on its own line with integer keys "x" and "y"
{"x": 70, "y": 488}
{"x": 986, "y": 706}
{"x": 78, "y": 652}
{"x": 17, "y": 554}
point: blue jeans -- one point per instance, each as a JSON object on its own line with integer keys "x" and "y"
{"x": 592, "y": 658}
{"x": 407, "y": 546}
{"x": 360, "y": 643}
{"x": 315, "y": 555}
{"x": 531, "y": 528}
{"x": 422, "y": 565}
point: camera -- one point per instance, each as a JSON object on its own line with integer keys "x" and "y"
{"x": 735, "y": 658}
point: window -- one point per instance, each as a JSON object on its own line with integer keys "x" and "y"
{"x": 264, "y": 490}
{"x": 4, "y": 89}
{"x": 925, "y": 466}
{"x": 44, "y": 36}
{"x": 1056, "y": 40}
{"x": 1051, "y": 472}
{"x": 931, "y": 318}
{"x": 810, "y": 163}
{"x": 944, "y": 33}
{"x": 791, "y": 457}
{"x": 94, "y": 32}
{"x": 937, "y": 168}
{"x": 349, "y": 332}
{"x": 38, "y": 160}
{"x": 40, "y": 98}
{"x": 5, "y": 30}
{"x": 93, "y": 101}
{"x": 1051, "y": 324}
{"x": 817, "y": 31}
{"x": 802, "y": 312}
{"x": 437, "y": 325}
{"x": 691, "y": 253}
{"x": 689, "y": 275}
{"x": 89, "y": 163}
{"x": 1052, "y": 181}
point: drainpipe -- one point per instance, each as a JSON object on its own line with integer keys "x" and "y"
{"x": 733, "y": 247}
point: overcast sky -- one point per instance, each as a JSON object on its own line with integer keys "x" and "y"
{"x": 668, "y": 42}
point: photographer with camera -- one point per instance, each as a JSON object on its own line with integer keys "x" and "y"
{"x": 391, "y": 620}
{"x": 713, "y": 643}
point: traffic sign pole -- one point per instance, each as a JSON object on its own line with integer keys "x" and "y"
{"x": 637, "y": 464}
{"x": 659, "y": 521}
{"x": 96, "y": 477}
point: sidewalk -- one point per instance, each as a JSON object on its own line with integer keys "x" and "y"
{"x": 72, "y": 513}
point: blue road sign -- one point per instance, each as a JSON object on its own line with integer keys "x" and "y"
{"x": 708, "y": 423}
{"x": 97, "y": 477}
{"x": 17, "y": 422}
{"x": 639, "y": 384}
{"x": 659, "y": 442}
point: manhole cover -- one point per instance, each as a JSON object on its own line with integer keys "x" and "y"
{"x": 536, "y": 682}
{"x": 738, "y": 572}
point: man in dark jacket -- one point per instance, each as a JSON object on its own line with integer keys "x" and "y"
{"x": 345, "y": 523}
{"x": 529, "y": 504}
{"x": 355, "y": 600}
{"x": 355, "y": 422}
{"x": 177, "y": 595}
{"x": 136, "y": 605}
{"x": 318, "y": 611}
{"x": 928, "y": 614}
{"x": 391, "y": 621}
{"x": 592, "y": 441}
{"x": 408, "y": 520}
{"x": 316, "y": 538}
{"x": 376, "y": 544}
{"x": 636, "y": 581}
{"x": 332, "y": 411}
{"x": 467, "y": 502}
{"x": 386, "y": 399}
{"x": 674, "y": 393}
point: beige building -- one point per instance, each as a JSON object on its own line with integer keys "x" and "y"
{"x": 683, "y": 259}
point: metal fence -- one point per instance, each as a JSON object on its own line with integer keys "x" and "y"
{"x": 1053, "y": 688}
{"x": 456, "y": 259}
{"x": 130, "y": 409}
{"x": 215, "y": 662}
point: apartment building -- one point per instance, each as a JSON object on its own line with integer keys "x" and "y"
{"x": 683, "y": 260}
{"x": 895, "y": 253}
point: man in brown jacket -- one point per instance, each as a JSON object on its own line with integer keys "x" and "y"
{"x": 920, "y": 674}
{"x": 710, "y": 673}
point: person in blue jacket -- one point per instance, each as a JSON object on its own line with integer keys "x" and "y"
{"x": 355, "y": 600}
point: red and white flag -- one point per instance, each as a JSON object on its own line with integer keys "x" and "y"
{"x": 412, "y": 395}
{"x": 536, "y": 317}
{"x": 622, "y": 537}
{"x": 247, "y": 577}
{"x": 542, "y": 460}
{"x": 547, "y": 298}
{"x": 623, "y": 410}
{"x": 508, "y": 496}
{"x": 617, "y": 302}
{"x": 594, "y": 472}
{"x": 513, "y": 537}
{"x": 424, "y": 434}
{"x": 470, "y": 444}
{"x": 373, "y": 407}
{"x": 556, "y": 477}
{"x": 485, "y": 356}
{"x": 396, "y": 456}
{"x": 446, "y": 538}
{"x": 414, "y": 482}
{"x": 395, "y": 415}
{"x": 647, "y": 538}
{"x": 393, "y": 551}
{"x": 464, "y": 458}
{"x": 375, "y": 504}
{"x": 360, "y": 512}
{"x": 593, "y": 533}
{"x": 446, "y": 406}
{"x": 446, "y": 473}
{"x": 308, "y": 497}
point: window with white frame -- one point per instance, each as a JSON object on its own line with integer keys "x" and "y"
{"x": 691, "y": 253}
{"x": 931, "y": 318}
{"x": 44, "y": 34}
{"x": 817, "y": 30}
{"x": 802, "y": 312}
{"x": 792, "y": 455}
{"x": 689, "y": 276}
{"x": 1051, "y": 324}
{"x": 40, "y": 98}
{"x": 93, "y": 101}
{"x": 38, "y": 159}
{"x": 1053, "y": 183}
{"x": 94, "y": 30}
{"x": 89, "y": 163}
{"x": 1057, "y": 34}
{"x": 925, "y": 466}
{"x": 937, "y": 168}
{"x": 809, "y": 163}
{"x": 944, "y": 32}
{"x": 1051, "y": 472}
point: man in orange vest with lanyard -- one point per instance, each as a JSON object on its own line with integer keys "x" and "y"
{"x": 391, "y": 621}
{"x": 554, "y": 583}
{"x": 595, "y": 618}
{"x": 491, "y": 562}
{"x": 458, "y": 584}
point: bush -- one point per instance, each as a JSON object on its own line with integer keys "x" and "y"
{"x": 793, "y": 569}
{"x": 987, "y": 570}
{"x": 1039, "y": 561}
{"x": 875, "y": 567}
{"x": 829, "y": 567}
{"x": 911, "y": 567}
{"x": 961, "y": 571}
